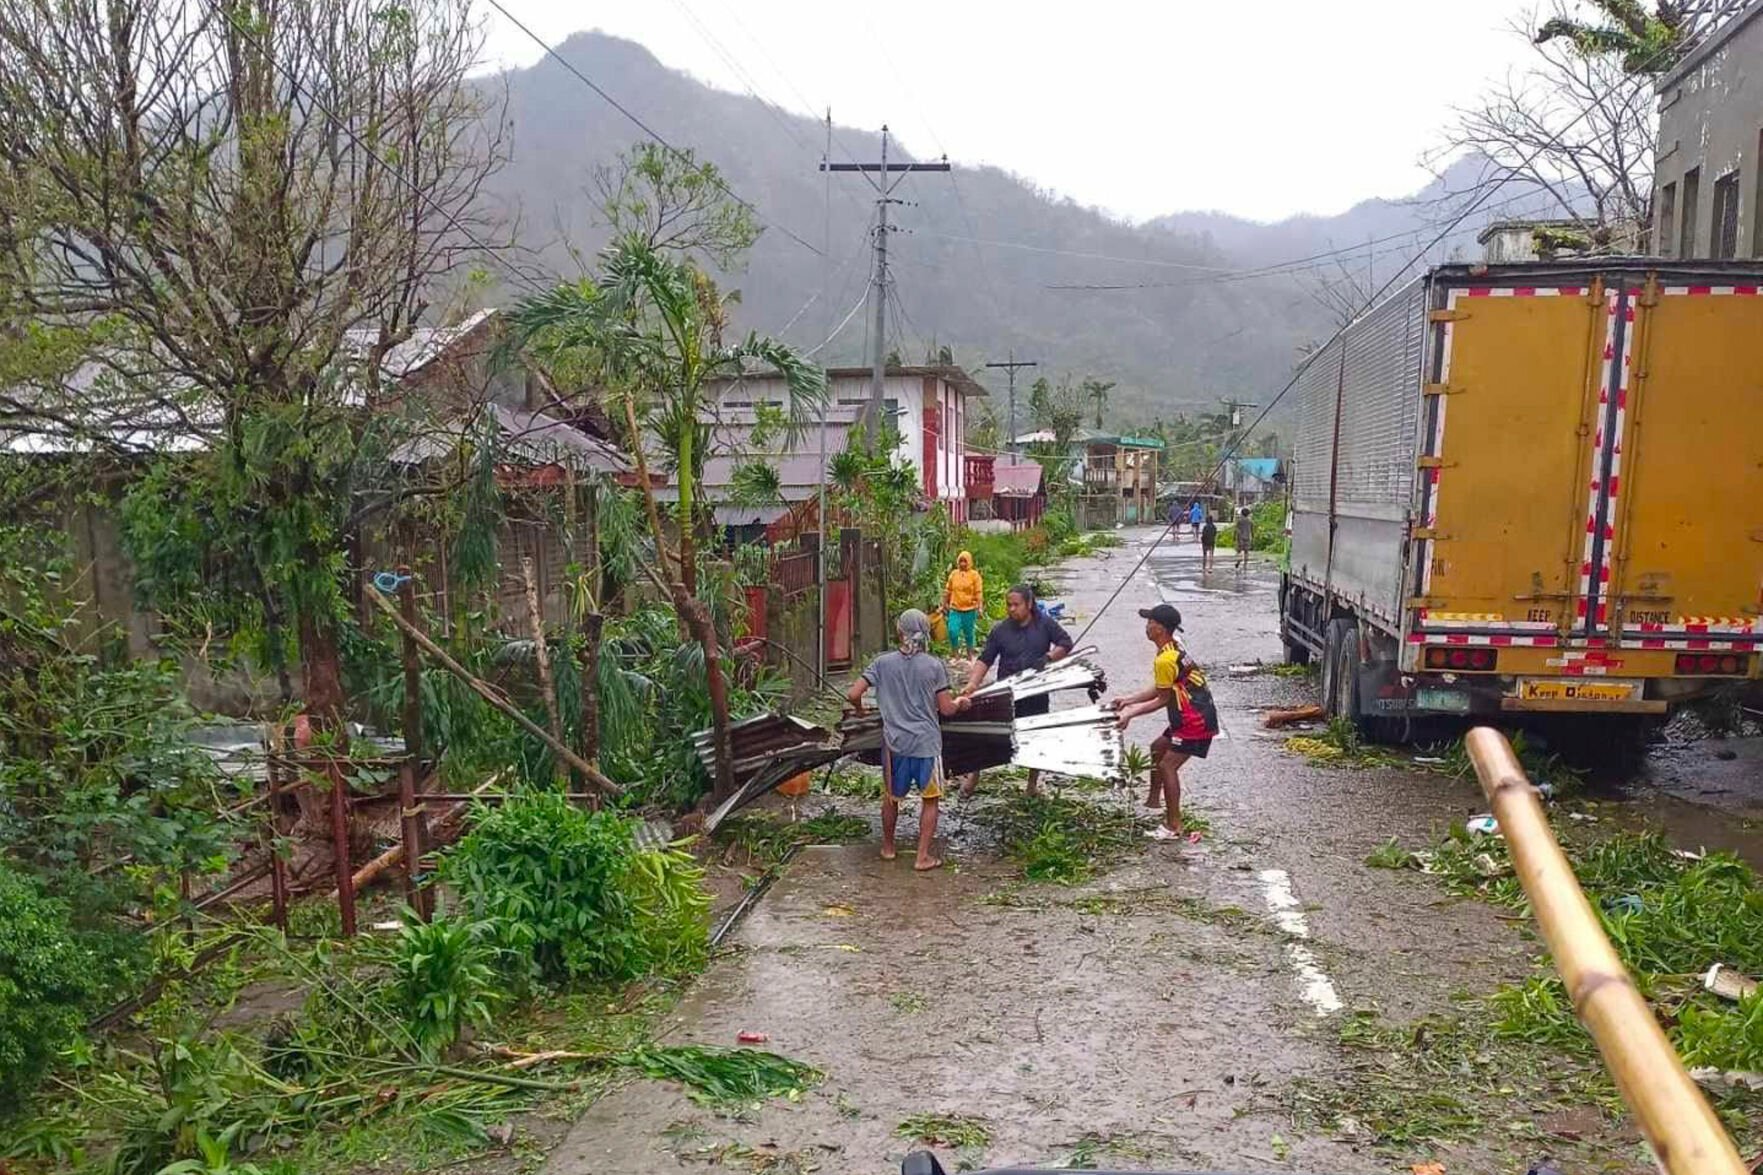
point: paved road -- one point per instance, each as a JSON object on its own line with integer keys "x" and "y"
{"x": 1170, "y": 1035}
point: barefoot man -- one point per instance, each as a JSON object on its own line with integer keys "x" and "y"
{"x": 1178, "y": 687}
{"x": 911, "y": 691}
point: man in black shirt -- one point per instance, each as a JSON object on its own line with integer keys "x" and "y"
{"x": 1028, "y": 639}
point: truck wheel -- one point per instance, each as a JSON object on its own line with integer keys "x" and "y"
{"x": 1297, "y": 653}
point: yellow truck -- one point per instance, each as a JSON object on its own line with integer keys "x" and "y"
{"x": 1533, "y": 488}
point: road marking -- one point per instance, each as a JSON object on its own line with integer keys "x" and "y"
{"x": 1318, "y": 990}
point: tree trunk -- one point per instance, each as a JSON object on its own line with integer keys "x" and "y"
{"x": 542, "y": 658}
{"x": 593, "y": 625}
{"x": 703, "y": 629}
{"x": 694, "y": 617}
{"x": 321, "y": 676}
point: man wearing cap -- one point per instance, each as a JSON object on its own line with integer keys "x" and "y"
{"x": 1027, "y": 639}
{"x": 911, "y": 691}
{"x": 1178, "y": 687}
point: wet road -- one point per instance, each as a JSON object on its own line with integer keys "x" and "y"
{"x": 1152, "y": 1018}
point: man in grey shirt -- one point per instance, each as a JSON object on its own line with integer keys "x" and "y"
{"x": 1245, "y": 537}
{"x": 912, "y": 693}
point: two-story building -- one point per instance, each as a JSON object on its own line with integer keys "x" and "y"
{"x": 1708, "y": 171}
{"x": 927, "y": 408}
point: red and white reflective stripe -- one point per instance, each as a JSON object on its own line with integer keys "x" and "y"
{"x": 1694, "y": 291}
{"x": 1618, "y": 365}
{"x": 1698, "y": 646}
{"x": 1464, "y": 638}
{"x": 1429, "y": 512}
{"x": 1526, "y": 291}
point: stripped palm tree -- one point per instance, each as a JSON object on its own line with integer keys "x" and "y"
{"x": 648, "y": 328}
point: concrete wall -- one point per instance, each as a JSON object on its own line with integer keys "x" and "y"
{"x": 1711, "y": 120}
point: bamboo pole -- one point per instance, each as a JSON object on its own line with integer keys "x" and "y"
{"x": 1686, "y": 1137}
{"x": 535, "y": 617}
{"x": 488, "y": 694}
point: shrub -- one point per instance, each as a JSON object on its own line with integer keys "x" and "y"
{"x": 443, "y": 978}
{"x": 568, "y": 891}
{"x": 46, "y": 977}
{"x": 672, "y": 911}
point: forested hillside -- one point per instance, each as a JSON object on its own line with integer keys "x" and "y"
{"x": 1191, "y": 329}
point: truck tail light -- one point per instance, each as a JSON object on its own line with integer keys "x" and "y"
{"x": 1712, "y": 664}
{"x": 1460, "y": 659}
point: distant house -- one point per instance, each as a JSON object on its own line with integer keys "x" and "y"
{"x": 1708, "y": 167}
{"x": 927, "y": 407}
{"x": 1005, "y": 488}
{"x": 1254, "y": 479}
{"x": 1119, "y": 480}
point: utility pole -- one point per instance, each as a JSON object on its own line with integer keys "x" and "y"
{"x": 1010, "y": 368}
{"x": 878, "y": 285}
{"x": 1235, "y": 408}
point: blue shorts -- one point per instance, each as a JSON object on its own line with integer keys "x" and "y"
{"x": 908, "y": 772}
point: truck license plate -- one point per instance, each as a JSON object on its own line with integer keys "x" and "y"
{"x": 1445, "y": 701}
{"x": 1551, "y": 689}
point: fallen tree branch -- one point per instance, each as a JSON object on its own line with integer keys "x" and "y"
{"x": 489, "y": 694}
{"x": 438, "y": 831}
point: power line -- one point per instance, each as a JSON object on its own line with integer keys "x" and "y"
{"x": 721, "y": 183}
{"x": 1293, "y": 265}
{"x": 1553, "y": 138}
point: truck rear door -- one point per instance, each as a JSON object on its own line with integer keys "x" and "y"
{"x": 1687, "y": 520}
{"x": 1507, "y": 454}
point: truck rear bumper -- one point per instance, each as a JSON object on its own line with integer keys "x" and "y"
{"x": 1578, "y": 706}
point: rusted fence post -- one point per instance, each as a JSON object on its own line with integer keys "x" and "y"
{"x": 411, "y": 822}
{"x": 278, "y": 868}
{"x": 412, "y": 668}
{"x": 340, "y": 846}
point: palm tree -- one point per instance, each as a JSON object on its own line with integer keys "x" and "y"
{"x": 649, "y": 330}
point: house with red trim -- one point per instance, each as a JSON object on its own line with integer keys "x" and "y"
{"x": 927, "y": 407}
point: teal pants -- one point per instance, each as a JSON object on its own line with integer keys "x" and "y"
{"x": 962, "y": 627}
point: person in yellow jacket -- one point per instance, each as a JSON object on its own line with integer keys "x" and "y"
{"x": 963, "y": 597}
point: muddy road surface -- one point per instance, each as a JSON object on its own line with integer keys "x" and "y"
{"x": 1247, "y": 1003}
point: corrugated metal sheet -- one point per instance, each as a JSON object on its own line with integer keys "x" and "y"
{"x": 771, "y": 748}
{"x": 1381, "y": 406}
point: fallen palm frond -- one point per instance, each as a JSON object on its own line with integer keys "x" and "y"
{"x": 957, "y": 1130}
{"x": 1062, "y": 839}
{"x": 730, "y": 1076}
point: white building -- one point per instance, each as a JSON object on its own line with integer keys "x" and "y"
{"x": 927, "y": 406}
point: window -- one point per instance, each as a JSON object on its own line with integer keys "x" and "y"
{"x": 1725, "y": 238}
{"x": 1692, "y": 194}
{"x": 1667, "y": 234}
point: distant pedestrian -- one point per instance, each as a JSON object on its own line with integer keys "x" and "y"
{"x": 1177, "y": 516}
{"x": 1178, "y": 687}
{"x": 1026, "y": 640}
{"x": 963, "y": 596}
{"x": 1195, "y": 515}
{"x": 1208, "y": 543}
{"x": 1245, "y": 537}
{"x": 911, "y": 691}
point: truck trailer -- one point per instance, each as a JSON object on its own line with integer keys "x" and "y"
{"x": 1532, "y": 488}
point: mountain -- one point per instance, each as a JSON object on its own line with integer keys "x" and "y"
{"x": 979, "y": 263}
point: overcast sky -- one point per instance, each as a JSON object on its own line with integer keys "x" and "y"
{"x": 1261, "y": 110}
